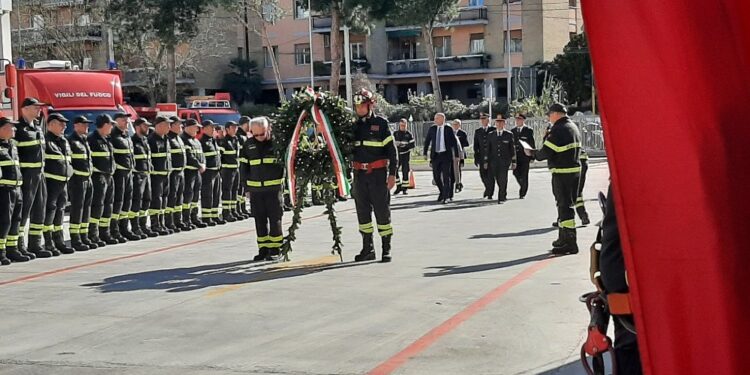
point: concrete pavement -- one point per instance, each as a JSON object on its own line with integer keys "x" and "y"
{"x": 470, "y": 291}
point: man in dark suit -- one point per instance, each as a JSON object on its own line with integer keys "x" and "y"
{"x": 502, "y": 157}
{"x": 444, "y": 151}
{"x": 522, "y": 133}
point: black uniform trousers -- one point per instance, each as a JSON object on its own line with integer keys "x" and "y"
{"x": 192, "y": 194}
{"x": 34, "y": 200}
{"x": 81, "y": 193}
{"x": 522, "y": 176}
{"x": 268, "y": 207}
{"x": 176, "y": 195}
{"x": 159, "y": 197}
{"x": 210, "y": 190}
{"x": 57, "y": 197}
{"x": 404, "y": 167}
{"x": 10, "y": 201}
{"x": 371, "y": 194}
{"x": 141, "y": 198}
{"x": 500, "y": 174}
{"x": 441, "y": 173}
{"x": 565, "y": 189}
{"x": 487, "y": 179}
{"x": 101, "y": 203}
{"x": 123, "y": 196}
{"x": 580, "y": 206}
{"x": 229, "y": 187}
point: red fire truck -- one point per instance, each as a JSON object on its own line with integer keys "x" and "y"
{"x": 217, "y": 108}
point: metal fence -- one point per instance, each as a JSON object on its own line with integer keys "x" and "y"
{"x": 592, "y": 137}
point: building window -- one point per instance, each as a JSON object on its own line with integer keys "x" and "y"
{"x": 476, "y": 3}
{"x": 516, "y": 41}
{"x": 357, "y": 51}
{"x": 37, "y": 22}
{"x": 405, "y": 48}
{"x": 573, "y": 3}
{"x": 84, "y": 20}
{"x": 474, "y": 93}
{"x": 442, "y": 46}
{"x": 302, "y": 54}
{"x": 267, "y": 56}
{"x": 300, "y": 10}
{"x": 476, "y": 43}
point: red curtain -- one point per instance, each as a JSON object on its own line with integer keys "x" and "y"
{"x": 674, "y": 85}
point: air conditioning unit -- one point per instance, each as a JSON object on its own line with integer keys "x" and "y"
{"x": 53, "y": 64}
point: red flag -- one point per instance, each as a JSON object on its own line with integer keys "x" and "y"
{"x": 674, "y": 84}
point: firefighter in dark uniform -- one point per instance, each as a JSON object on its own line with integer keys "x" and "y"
{"x": 580, "y": 206}
{"x": 522, "y": 133}
{"x": 502, "y": 157}
{"x": 102, "y": 158}
{"x": 264, "y": 178}
{"x": 80, "y": 188}
{"x": 242, "y": 136}
{"x": 173, "y": 216}
{"x": 561, "y": 149}
{"x": 30, "y": 143}
{"x": 210, "y": 178}
{"x": 482, "y": 154}
{"x": 230, "y": 151}
{"x": 123, "y": 177}
{"x": 375, "y": 164}
{"x": 141, "y": 181}
{"x": 57, "y": 171}
{"x": 404, "y": 143}
{"x": 195, "y": 164}
{"x": 162, "y": 162}
{"x": 11, "y": 180}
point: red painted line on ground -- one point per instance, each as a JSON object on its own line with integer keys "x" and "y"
{"x": 424, "y": 342}
{"x": 132, "y": 256}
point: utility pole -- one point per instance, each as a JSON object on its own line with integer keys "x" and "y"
{"x": 5, "y": 36}
{"x": 348, "y": 66}
{"x": 310, "y": 27}
{"x": 507, "y": 52}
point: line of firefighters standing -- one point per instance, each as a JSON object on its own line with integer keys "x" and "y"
{"x": 121, "y": 187}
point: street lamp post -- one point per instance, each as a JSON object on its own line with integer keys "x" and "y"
{"x": 310, "y": 27}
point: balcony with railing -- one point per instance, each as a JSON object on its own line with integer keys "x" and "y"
{"x": 444, "y": 64}
{"x": 466, "y": 16}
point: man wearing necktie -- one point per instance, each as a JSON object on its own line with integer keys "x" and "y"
{"x": 444, "y": 151}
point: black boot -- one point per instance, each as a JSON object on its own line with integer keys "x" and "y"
{"x": 583, "y": 215}
{"x": 36, "y": 248}
{"x": 49, "y": 245}
{"x": 4, "y": 261}
{"x": 143, "y": 225}
{"x": 125, "y": 232}
{"x": 262, "y": 255}
{"x": 398, "y": 189}
{"x": 106, "y": 237}
{"x": 368, "y": 251}
{"x": 169, "y": 223}
{"x": 77, "y": 243}
{"x": 273, "y": 255}
{"x": 114, "y": 231}
{"x": 86, "y": 241}
{"x": 22, "y": 247}
{"x": 15, "y": 256}
{"x": 198, "y": 223}
{"x": 59, "y": 240}
{"x": 570, "y": 246}
{"x": 386, "y": 249}
{"x": 560, "y": 241}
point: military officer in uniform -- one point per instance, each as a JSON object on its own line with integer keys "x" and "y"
{"x": 522, "y": 133}
{"x": 580, "y": 205}
{"x": 404, "y": 143}
{"x": 11, "y": 180}
{"x": 177, "y": 150}
{"x": 210, "y": 178}
{"x": 80, "y": 188}
{"x": 482, "y": 154}
{"x": 230, "y": 151}
{"x": 195, "y": 165}
{"x": 102, "y": 158}
{"x": 162, "y": 165}
{"x": 30, "y": 143}
{"x": 57, "y": 171}
{"x": 122, "y": 146}
{"x": 502, "y": 157}
{"x": 264, "y": 176}
{"x": 141, "y": 181}
{"x": 561, "y": 149}
{"x": 375, "y": 163}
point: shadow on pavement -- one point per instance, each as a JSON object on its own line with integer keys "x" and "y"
{"x": 464, "y": 204}
{"x": 457, "y": 270}
{"x": 200, "y": 277}
{"x": 574, "y": 368}
{"x": 530, "y": 232}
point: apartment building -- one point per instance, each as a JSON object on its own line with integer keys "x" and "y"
{"x": 471, "y": 49}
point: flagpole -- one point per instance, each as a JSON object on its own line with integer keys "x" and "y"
{"x": 310, "y": 28}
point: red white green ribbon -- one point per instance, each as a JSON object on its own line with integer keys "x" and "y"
{"x": 324, "y": 127}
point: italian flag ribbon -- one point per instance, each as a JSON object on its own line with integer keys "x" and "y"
{"x": 325, "y": 128}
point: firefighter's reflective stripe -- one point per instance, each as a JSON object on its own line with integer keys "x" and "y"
{"x": 385, "y": 230}
{"x": 55, "y": 177}
{"x": 79, "y": 156}
{"x": 563, "y": 148}
{"x": 57, "y": 157}
{"x": 366, "y": 228}
{"x": 265, "y": 183}
{"x": 159, "y": 173}
{"x": 81, "y": 173}
{"x": 262, "y": 161}
{"x": 227, "y": 166}
{"x": 159, "y": 155}
{"x": 211, "y": 153}
{"x": 122, "y": 151}
{"x": 99, "y": 154}
{"x": 566, "y": 170}
{"x": 570, "y": 224}
{"x": 29, "y": 143}
{"x": 31, "y": 165}
{"x": 4, "y": 182}
{"x": 6, "y": 163}
{"x": 141, "y": 157}
{"x": 383, "y": 143}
